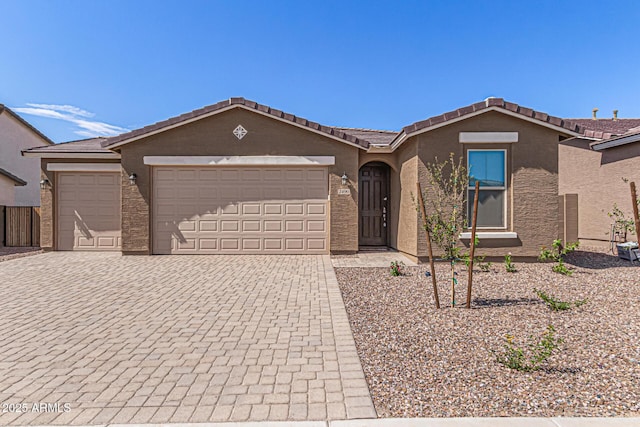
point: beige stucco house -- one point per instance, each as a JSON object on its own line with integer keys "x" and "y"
{"x": 19, "y": 176}
{"x": 597, "y": 169}
{"x": 241, "y": 177}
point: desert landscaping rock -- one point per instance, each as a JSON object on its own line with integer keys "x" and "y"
{"x": 423, "y": 362}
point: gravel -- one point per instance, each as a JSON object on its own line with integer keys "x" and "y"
{"x": 423, "y": 362}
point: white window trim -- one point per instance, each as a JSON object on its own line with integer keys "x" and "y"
{"x": 84, "y": 167}
{"x": 487, "y": 137}
{"x": 489, "y": 235}
{"x": 503, "y": 188}
{"x": 239, "y": 160}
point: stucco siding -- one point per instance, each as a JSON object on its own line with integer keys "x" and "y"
{"x": 213, "y": 136}
{"x": 7, "y": 192}
{"x": 597, "y": 178}
{"x": 15, "y": 137}
{"x": 532, "y": 179}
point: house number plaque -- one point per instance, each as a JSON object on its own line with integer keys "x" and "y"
{"x": 344, "y": 191}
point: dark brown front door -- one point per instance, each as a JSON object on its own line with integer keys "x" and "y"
{"x": 373, "y": 205}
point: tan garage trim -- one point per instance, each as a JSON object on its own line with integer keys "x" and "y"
{"x": 239, "y": 160}
{"x": 88, "y": 211}
{"x": 251, "y": 210}
{"x": 83, "y": 167}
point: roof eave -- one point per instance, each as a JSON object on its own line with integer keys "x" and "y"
{"x": 227, "y": 108}
{"x": 603, "y": 145}
{"x": 70, "y": 155}
{"x": 403, "y": 136}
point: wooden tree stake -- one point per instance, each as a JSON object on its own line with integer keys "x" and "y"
{"x": 473, "y": 242}
{"x": 634, "y": 202}
{"x": 426, "y": 231}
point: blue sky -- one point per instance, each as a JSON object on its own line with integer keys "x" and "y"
{"x": 81, "y": 68}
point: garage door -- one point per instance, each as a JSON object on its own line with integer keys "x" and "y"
{"x": 225, "y": 210}
{"x": 88, "y": 211}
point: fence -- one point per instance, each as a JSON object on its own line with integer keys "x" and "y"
{"x": 21, "y": 226}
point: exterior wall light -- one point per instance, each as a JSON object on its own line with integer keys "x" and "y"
{"x": 132, "y": 179}
{"x": 344, "y": 178}
{"x": 44, "y": 184}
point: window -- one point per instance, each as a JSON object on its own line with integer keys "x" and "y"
{"x": 489, "y": 167}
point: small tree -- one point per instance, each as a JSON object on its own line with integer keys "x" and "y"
{"x": 446, "y": 216}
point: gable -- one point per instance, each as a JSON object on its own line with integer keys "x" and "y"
{"x": 214, "y": 136}
{"x": 234, "y": 103}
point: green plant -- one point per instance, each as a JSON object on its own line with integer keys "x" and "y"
{"x": 517, "y": 358}
{"x": 396, "y": 268}
{"x": 561, "y": 268}
{"x": 555, "y": 304}
{"x": 485, "y": 266}
{"x": 445, "y": 217}
{"x": 557, "y": 254}
{"x": 508, "y": 264}
{"x": 621, "y": 224}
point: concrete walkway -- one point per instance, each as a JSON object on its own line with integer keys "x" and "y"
{"x": 370, "y": 259}
{"x": 176, "y": 339}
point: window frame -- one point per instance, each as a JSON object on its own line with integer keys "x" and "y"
{"x": 503, "y": 188}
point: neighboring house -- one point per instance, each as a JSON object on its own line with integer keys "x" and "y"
{"x": 241, "y": 177}
{"x": 8, "y": 182}
{"x": 19, "y": 176}
{"x": 599, "y": 172}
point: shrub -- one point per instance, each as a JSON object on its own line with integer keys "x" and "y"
{"x": 555, "y": 304}
{"x": 396, "y": 268}
{"x": 557, "y": 254}
{"x": 508, "y": 264}
{"x": 517, "y": 358}
{"x": 485, "y": 266}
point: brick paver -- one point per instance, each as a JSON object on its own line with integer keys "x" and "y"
{"x": 176, "y": 339}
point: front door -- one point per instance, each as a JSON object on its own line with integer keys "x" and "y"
{"x": 373, "y": 191}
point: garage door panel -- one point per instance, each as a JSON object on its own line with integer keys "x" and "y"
{"x": 272, "y": 193}
{"x": 241, "y": 210}
{"x": 88, "y": 211}
{"x": 208, "y": 225}
{"x": 250, "y": 225}
{"x": 317, "y": 209}
{"x": 294, "y": 209}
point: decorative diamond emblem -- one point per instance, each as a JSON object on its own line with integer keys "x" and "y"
{"x": 239, "y": 132}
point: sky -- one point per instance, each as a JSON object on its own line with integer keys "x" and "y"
{"x": 78, "y": 69}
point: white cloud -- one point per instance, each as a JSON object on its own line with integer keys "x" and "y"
{"x": 77, "y": 116}
{"x": 65, "y": 108}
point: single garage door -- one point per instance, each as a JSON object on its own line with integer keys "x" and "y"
{"x": 252, "y": 210}
{"x": 88, "y": 211}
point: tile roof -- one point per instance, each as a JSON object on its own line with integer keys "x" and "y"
{"x": 373, "y": 136}
{"x": 251, "y": 105}
{"x": 90, "y": 145}
{"x": 606, "y": 128}
{"x": 492, "y": 103}
{"x": 15, "y": 179}
{"x": 26, "y": 123}
{"x": 633, "y": 135}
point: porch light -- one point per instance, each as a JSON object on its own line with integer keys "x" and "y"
{"x": 44, "y": 184}
{"x": 132, "y": 179}
{"x": 344, "y": 178}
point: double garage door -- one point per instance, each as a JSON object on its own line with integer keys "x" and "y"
{"x": 251, "y": 210}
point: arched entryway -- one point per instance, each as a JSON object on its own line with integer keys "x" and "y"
{"x": 373, "y": 205}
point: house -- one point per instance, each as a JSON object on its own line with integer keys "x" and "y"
{"x": 596, "y": 168}
{"x": 19, "y": 176}
{"x": 242, "y": 177}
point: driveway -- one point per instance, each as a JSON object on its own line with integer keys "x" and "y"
{"x": 100, "y": 338}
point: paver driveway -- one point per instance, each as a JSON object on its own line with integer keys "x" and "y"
{"x": 175, "y": 339}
